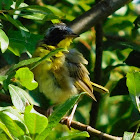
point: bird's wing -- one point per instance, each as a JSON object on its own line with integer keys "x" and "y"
{"x": 75, "y": 63}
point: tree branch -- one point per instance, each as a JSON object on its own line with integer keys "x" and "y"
{"x": 74, "y": 124}
{"x": 90, "y": 130}
{"x": 96, "y": 14}
{"x": 97, "y": 73}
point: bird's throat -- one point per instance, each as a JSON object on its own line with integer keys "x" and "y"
{"x": 65, "y": 43}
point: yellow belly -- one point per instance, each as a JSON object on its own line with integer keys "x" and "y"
{"x": 54, "y": 80}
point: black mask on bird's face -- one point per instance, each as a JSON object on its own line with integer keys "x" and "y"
{"x": 57, "y": 33}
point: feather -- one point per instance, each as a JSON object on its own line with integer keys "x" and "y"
{"x": 75, "y": 65}
{"x": 99, "y": 88}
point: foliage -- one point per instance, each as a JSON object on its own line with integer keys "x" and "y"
{"x": 22, "y": 25}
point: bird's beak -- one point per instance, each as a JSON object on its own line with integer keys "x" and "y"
{"x": 72, "y": 35}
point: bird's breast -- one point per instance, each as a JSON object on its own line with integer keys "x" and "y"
{"x": 55, "y": 82}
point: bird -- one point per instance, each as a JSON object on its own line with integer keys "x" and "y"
{"x": 64, "y": 74}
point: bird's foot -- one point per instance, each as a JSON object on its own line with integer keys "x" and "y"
{"x": 49, "y": 111}
{"x": 67, "y": 121}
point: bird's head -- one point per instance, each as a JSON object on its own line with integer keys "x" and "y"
{"x": 59, "y": 35}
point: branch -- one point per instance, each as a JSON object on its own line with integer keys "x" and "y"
{"x": 90, "y": 130}
{"x": 96, "y": 14}
{"x": 74, "y": 124}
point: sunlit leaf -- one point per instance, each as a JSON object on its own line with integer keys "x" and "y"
{"x": 11, "y": 125}
{"x": 3, "y": 136}
{"x": 5, "y": 129}
{"x": 18, "y": 98}
{"x": 16, "y": 116}
{"x": 37, "y": 12}
{"x": 35, "y": 122}
{"x": 133, "y": 84}
{"x": 26, "y": 78}
{"x": 2, "y": 78}
{"x": 4, "y": 41}
{"x": 129, "y": 135}
{"x": 18, "y": 2}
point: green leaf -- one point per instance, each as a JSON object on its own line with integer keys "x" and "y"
{"x": 16, "y": 47}
{"x": 133, "y": 84}
{"x": 37, "y": 12}
{"x": 5, "y": 129}
{"x": 5, "y": 4}
{"x": 23, "y": 63}
{"x": 2, "y": 78}
{"x": 25, "y": 138}
{"x": 23, "y": 44}
{"x": 12, "y": 125}
{"x": 18, "y": 2}
{"x": 4, "y": 41}
{"x": 57, "y": 115}
{"x": 26, "y": 78}
{"x": 18, "y": 97}
{"x": 12, "y": 113}
{"x": 52, "y": 53}
{"x": 75, "y": 135}
{"x": 56, "y": 11}
{"x": 129, "y": 135}
{"x": 35, "y": 122}
{"x": 3, "y": 136}
{"x": 15, "y": 115}
{"x": 16, "y": 23}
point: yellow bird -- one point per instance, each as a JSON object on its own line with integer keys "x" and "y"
{"x": 64, "y": 74}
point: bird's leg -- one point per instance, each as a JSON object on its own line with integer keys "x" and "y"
{"x": 49, "y": 111}
{"x": 70, "y": 117}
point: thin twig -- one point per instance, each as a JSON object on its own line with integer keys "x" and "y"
{"x": 90, "y": 130}
{"x": 96, "y": 14}
{"x": 134, "y": 135}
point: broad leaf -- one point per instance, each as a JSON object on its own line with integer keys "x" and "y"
{"x": 133, "y": 84}
{"x": 35, "y": 122}
{"x": 16, "y": 116}
{"x": 2, "y": 78}
{"x": 4, "y": 41}
{"x": 26, "y": 78}
{"x": 18, "y": 97}
{"x": 5, "y": 129}
{"x": 11, "y": 125}
{"x": 37, "y": 12}
{"x": 129, "y": 135}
